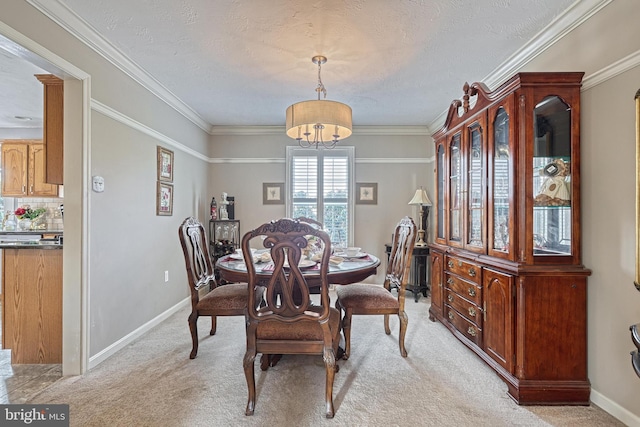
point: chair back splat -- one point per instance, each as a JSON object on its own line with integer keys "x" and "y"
{"x": 288, "y": 321}
{"x": 398, "y": 270}
{"x": 227, "y": 300}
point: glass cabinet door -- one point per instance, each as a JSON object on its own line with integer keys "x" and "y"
{"x": 501, "y": 181}
{"x": 440, "y": 183}
{"x": 455, "y": 190}
{"x": 552, "y": 205}
{"x": 476, "y": 184}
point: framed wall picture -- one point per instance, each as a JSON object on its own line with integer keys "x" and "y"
{"x": 273, "y": 193}
{"x": 164, "y": 199}
{"x": 367, "y": 193}
{"x": 165, "y": 165}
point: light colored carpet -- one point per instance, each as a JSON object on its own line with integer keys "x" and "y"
{"x": 152, "y": 382}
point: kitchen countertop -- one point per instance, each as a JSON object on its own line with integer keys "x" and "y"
{"x": 31, "y": 239}
{"x": 29, "y": 232}
{"x": 31, "y": 244}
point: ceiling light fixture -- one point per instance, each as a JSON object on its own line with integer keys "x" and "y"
{"x": 318, "y": 122}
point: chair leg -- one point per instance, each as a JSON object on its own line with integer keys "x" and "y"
{"x": 404, "y": 321}
{"x": 387, "y": 329}
{"x": 193, "y": 327}
{"x": 248, "y": 363}
{"x": 346, "y": 329}
{"x": 214, "y": 324}
{"x": 330, "y": 367}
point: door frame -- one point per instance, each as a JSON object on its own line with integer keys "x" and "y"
{"x": 77, "y": 149}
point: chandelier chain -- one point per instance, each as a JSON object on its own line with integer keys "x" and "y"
{"x": 320, "y": 87}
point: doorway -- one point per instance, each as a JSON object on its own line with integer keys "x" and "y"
{"x": 76, "y": 148}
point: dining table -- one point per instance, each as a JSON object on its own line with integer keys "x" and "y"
{"x": 349, "y": 270}
{"x": 355, "y": 269}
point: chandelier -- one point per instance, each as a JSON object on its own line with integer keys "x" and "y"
{"x": 318, "y": 122}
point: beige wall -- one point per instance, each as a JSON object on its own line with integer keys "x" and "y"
{"x": 398, "y": 163}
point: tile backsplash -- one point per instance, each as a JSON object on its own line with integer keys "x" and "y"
{"x": 53, "y": 216}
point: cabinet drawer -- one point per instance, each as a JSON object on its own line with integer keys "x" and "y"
{"x": 468, "y": 270}
{"x": 461, "y": 287}
{"x": 468, "y": 309}
{"x": 468, "y": 329}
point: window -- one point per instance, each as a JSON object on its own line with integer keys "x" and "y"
{"x": 320, "y": 187}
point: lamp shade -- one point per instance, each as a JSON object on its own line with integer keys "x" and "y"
{"x": 420, "y": 198}
{"x": 334, "y": 117}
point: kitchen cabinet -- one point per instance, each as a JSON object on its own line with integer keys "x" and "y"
{"x": 507, "y": 274}
{"x": 32, "y": 305}
{"x": 23, "y": 170}
{"x": 52, "y": 128}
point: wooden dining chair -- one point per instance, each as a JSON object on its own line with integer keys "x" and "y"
{"x": 225, "y": 300}
{"x": 281, "y": 325}
{"x": 362, "y": 298}
{"x": 308, "y": 220}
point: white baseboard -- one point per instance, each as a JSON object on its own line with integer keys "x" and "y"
{"x": 614, "y": 409}
{"x": 128, "y": 339}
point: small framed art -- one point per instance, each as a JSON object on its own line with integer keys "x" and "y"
{"x": 273, "y": 193}
{"x": 367, "y": 193}
{"x": 164, "y": 199}
{"x": 165, "y": 165}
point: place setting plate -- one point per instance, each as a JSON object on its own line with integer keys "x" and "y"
{"x": 304, "y": 263}
{"x": 344, "y": 255}
{"x": 237, "y": 255}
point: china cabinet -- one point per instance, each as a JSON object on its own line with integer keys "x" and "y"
{"x": 23, "y": 169}
{"x": 506, "y": 270}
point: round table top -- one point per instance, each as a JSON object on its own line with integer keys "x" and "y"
{"x": 351, "y": 270}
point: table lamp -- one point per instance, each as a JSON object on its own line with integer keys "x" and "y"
{"x": 421, "y": 200}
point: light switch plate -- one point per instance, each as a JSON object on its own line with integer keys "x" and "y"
{"x": 98, "y": 184}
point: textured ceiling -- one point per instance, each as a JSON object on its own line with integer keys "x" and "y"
{"x": 242, "y": 62}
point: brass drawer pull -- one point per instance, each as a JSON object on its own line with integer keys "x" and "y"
{"x": 472, "y": 272}
{"x": 472, "y": 292}
{"x": 472, "y": 331}
{"x": 450, "y": 315}
{"x": 450, "y": 298}
{"x": 450, "y": 264}
{"x": 472, "y": 312}
{"x": 449, "y": 281}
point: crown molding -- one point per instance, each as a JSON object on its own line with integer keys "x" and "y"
{"x": 364, "y": 160}
{"x": 128, "y": 121}
{"x": 60, "y": 14}
{"x": 357, "y": 130}
{"x": 578, "y": 13}
{"x": 612, "y": 70}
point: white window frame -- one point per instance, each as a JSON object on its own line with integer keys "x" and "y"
{"x": 343, "y": 151}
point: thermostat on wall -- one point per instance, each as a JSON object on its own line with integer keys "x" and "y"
{"x": 98, "y": 184}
